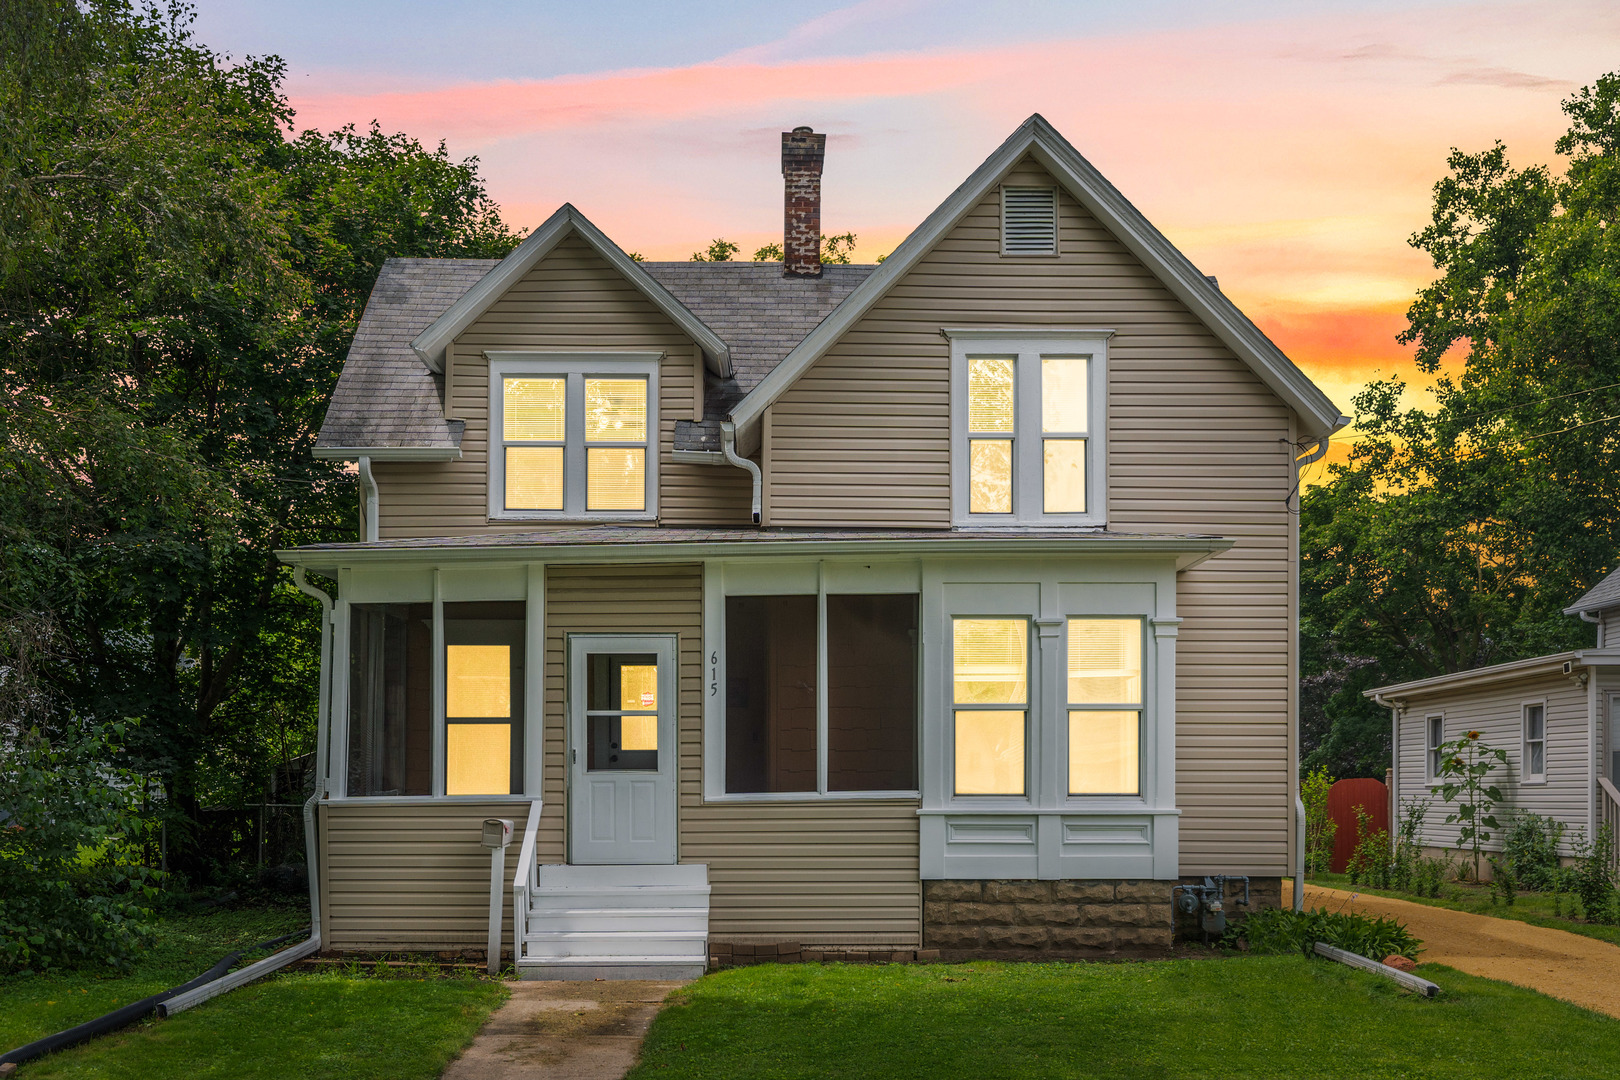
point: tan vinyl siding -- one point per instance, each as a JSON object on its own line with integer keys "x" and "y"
{"x": 571, "y": 299}
{"x": 1496, "y": 712}
{"x": 1197, "y": 443}
{"x": 410, "y": 877}
{"x": 834, "y": 872}
{"x": 1609, "y": 632}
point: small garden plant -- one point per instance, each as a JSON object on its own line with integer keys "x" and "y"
{"x": 1320, "y": 828}
{"x": 1280, "y": 930}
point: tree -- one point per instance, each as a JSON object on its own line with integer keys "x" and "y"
{"x": 1454, "y": 536}
{"x": 717, "y": 251}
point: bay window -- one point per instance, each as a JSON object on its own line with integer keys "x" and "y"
{"x": 990, "y": 691}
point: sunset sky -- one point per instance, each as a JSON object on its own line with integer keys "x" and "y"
{"x": 1288, "y": 149}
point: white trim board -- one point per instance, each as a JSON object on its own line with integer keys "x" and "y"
{"x": 1037, "y": 138}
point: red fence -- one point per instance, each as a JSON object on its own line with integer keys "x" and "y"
{"x": 1343, "y": 798}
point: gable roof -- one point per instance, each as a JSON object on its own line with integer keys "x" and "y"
{"x": 1037, "y": 138}
{"x": 1605, "y": 594}
{"x": 431, "y": 343}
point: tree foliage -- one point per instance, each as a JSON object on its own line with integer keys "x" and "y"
{"x": 1454, "y": 536}
{"x": 181, "y": 273}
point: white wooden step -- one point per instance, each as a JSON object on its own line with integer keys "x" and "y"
{"x": 611, "y": 967}
{"x": 694, "y": 920}
{"x": 631, "y": 897}
{"x": 641, "y": 875}
{"x": 559, "y": 944}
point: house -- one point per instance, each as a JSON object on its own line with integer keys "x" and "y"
{"x": 1554, "y": 715}
{"x": 944, "y": 603}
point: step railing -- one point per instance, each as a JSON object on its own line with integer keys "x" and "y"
{"x": 525, "y": 881}
{"x": 1609, "y": 813}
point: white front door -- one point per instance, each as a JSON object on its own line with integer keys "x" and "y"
{"x": 621, "y": 731}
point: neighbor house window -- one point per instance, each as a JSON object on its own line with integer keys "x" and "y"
{"x": 1535, "y": 742}
{"x": 990, "y": 695}
{"x": 1434, "y": 736}
{"x": 796, "y": 725}
{"x": 1105, "y": 706}
{"x": 1027, "y": 421}
{"x": 573, "y": 438}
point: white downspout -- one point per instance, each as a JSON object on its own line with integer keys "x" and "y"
{"x": 728, "y": 446}
{"x": 1299, "y": 802}
{"x": 368, "y": 503}
{"x": 181, "y": 1002}
{"x": 1395, "y": 709}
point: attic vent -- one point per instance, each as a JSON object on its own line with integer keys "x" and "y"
{"x": 1028, "y": 221}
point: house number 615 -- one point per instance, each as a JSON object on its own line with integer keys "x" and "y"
{"x": 714, "y": 674}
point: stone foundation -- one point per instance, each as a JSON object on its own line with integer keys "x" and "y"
{"x": 724, "y": 954}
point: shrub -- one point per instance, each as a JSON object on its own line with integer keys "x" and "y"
{"x": 1429, "y": 873}
{"x": 1594, "y": 875}
{"x": 1530, "y": 851}
{"x": 1504, "y": 885}
{"x": 1371, "y": 862}
{"x": 1280, "y": 930}
{"x": 1320, "y": 828}
{"x": 74, "y": 892}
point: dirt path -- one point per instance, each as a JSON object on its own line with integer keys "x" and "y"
{"x": 1557, "y": 963}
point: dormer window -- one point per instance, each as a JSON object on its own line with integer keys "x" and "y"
{"x": 1027, "y": 420}
{"x": 573, "y": 436}
{"x": 1029, "y": 221}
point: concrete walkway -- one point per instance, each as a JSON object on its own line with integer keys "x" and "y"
{"x": 563, "y": 1031}
{"x": 1577, "y": 969}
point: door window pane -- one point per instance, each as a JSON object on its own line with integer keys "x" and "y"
{"x": 1064, "y": 473}
{"x": 1104, "y": 754}
{"x": 616, "y": 410}
{"x": 478, "y": 759}
{"x": 483, "y": 697}
{"x": 872, "y": 693}
{"x": 390, "y": 699}
{"x": 990, "y": 394}
{"x": 616, "y": 478}
{"x": 533, "y": 409}
{"x": 770, "y": 693}
{"x": 1105, "y": 661}
{"x": 621, "y": 711}
{"x": 989, "y": 752}
{"x": 534, "y": 478}
{"x": 990, "y": 476}
{"x": 1063, "y": 395}
{"x": 990, "y": 661}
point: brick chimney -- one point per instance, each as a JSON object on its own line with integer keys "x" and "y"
{"x": 802, "y": 154}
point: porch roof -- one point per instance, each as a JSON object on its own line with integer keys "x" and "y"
{"x": 626, "y": 543}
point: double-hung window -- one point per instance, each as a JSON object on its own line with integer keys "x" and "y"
{"x": 1028, "y": 416}
{"x": 1534, "y": 768}
{"x": 990, "y": 710}
{"x": 1105, "y": 706}
{"x": 573, "y": 436}
{"x": 1434, "y": 735}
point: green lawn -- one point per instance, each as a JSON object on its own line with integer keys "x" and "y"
{"x": 348, "y": 1025}
{"x": 1250, "y": 1017}
{"x": 1537, "y": 909}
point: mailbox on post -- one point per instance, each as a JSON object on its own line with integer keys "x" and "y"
{"x": 497, "y": 835}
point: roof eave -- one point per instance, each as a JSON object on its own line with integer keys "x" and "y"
{"x": 387, "y": 453}
{"x": 1513, "y": 671}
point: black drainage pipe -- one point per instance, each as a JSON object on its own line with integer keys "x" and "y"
{"x": 136, "y": 1010}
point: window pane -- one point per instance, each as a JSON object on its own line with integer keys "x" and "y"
{"x": 990, "y": 476}
{"x": 533, "y": 409}
{"x": 615, "y": 478}
{"x": 1104, "y": 755}
{"x": 638, "y": 732}
{"x": 390, "y": 699}
{"x": 616, "y": 682}
{"x": 770, "y": 693}
{"x": 872, "y": 693}
{"x": 990, "y": 658}
{"x": 1533, "y": 717}
{"x": 1538, "y": 758}
{"x": 638, "y": 687}
{"x": 990, "y": 394}
{"x": 1105, "y": 661}
{"x": 1065, "y": 476}
{"x": 477, "y": 680}
{"x": 616, "y": 410}
{"x": 989, "y": 753}
{"x": 478, "y": 759}
{"x": 534, "y": 478}
{"x": 1063, "y": 394}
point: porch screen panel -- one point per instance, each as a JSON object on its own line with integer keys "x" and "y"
{"x": 770, "y": 694}
{"x": 872, "y": 692}
{"x": 390, "y": 699}
{"x": 990, "y": 680}
{"x": 483, "y": 698}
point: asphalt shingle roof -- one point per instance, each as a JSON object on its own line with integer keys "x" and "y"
{"x": 386, "y": 396}
{"x": 1605, "y": 594}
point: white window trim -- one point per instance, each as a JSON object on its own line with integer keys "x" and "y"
{"x": 1028, "y": 479}
{"x": 575, "y": 366}
{"x": 794, "y": 578}
{"x": 1431, "y": 775}
{"x": 1525, "y": 775}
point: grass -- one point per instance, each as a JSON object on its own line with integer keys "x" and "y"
{"x": 1251, "y": 1016}
{"x": 1537, "y": 909}
{"x": 349, "y": 1024}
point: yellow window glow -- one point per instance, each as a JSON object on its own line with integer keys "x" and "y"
{"x": 478, "y": 759}
{"x": 1104, "y": 753}
{"x": 638, "y": 687}
{"x": 615, "y": 478}
{"x": 534, "y": 478}
{"x": 1064, "y": 481}
{"x": 638, "y": 733}
{"x": 616, "y": 410}
{"x": 477, "y": 680}
{"x": 990, "y": 394}
{"x": 533, "y": 409}
{"x": 989, "y": 753}
{"x": 990, "y": 660}
{"x": 990, "y": 476}
{"x": 1105, "y": 661}
{"x": 1063, "y": 394}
